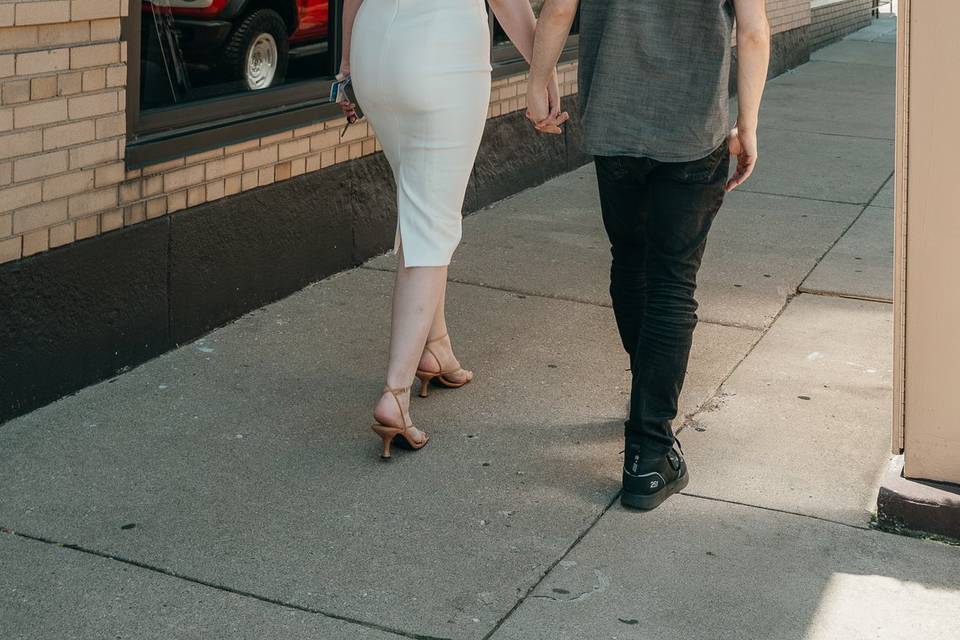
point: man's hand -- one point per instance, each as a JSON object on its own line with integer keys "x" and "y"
{"x": 743, "y": 145}
{"x": 543, "y": 107}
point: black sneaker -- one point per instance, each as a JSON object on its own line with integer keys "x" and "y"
{"x": 647, "y": 482}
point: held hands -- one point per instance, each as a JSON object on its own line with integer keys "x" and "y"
{"x": 543, "y": 106}
{"x": 743, "y": 145}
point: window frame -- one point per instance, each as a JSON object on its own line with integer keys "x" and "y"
{"x": 167, "y": 133}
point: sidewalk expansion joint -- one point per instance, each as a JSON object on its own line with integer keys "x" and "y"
{"x": 589, "y": 303}
{"x": 828, "y": 133}
{"x": 775, "y": 510}
{"x": 846, "y": 230}
{"x": 796, "y": 197}
{"x": 219, "y": 587}
{"x": 546, "y": 572}
{"x": 843, "y": 296}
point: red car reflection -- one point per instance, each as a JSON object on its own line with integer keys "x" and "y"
{"x": 247, "y": 40}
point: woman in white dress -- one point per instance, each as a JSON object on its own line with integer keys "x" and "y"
{"x": 421, "y": 73}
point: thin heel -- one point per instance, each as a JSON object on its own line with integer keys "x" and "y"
{"x": 387, "y": 434}
{"x": 425, "y": 379}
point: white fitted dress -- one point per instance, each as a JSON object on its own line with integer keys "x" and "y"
{"x": 421, "y": 72}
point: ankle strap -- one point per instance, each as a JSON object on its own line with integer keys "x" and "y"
{"x": 396, "y": 393}
{"x": 438, "y": 338}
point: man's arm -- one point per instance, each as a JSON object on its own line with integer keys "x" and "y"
{"x": 753, "y": 59}
{"x": 553, "y": 27}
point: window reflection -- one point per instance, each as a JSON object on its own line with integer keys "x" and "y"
{"x": 500, "y": 36}
{"x": 196, "y": 49}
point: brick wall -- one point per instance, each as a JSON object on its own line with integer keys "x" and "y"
{"x": 831, "y": 21}
{"x": 785, "y": 15}
{"x": 63, "y": 128}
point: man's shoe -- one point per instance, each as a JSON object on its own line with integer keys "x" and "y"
{"x": 647, "y": 482}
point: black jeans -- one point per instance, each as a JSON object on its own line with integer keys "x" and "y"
{"x": 657, "y": 215}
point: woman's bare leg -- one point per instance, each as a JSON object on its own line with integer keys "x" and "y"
{"x": 443, "y": 348}
{"x": 417, "y": 293}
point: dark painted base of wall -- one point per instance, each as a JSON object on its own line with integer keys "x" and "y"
{"x": 918, "y": 507}
{"x": 77, "y": 315}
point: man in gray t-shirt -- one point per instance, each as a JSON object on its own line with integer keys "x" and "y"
{"x": 653, "y": 101}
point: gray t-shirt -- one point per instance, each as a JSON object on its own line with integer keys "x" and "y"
{"x": 653, "y": 77}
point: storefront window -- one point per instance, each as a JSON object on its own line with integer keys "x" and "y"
{"x": 200, "y": 49}
{"x": 500, "y": 36}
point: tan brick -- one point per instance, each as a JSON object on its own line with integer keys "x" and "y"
{"x": 19, "y": 196}
{"x": 7, "y": 65}
{"x": 95, "y": 9}
{"x": 355, "y": 132}
{"x": 215, "y": 190}
{"x": 130, "y": 191}
{"x": 260, "y": 157}
{"x": 43, "y": 88}
{"x": 66, "y": 135}
{"x": 282, "y": 171}
{"x": 327, "y": 158}
{"x": 313, "y": 162}
{"x": 111, "y": 126}
{"x": 61, "y": 34}
{"x": 106, "y": 29}
{"x": 16, "y": 92}
{"x": 18, "y": 38}
{"x": 95, "y": 55}
{"x": 117, "y": 76}
{"x": 177, "y": 180}
{"x": 111, "y": 220}
{"x": 6, "y": 173}
{"x": 32, "y": 115}
{"x": 220, "y": 168}
{"x": 232, "y": 185}
{"x": 47, "y": 61}
{"x": 69, "y": 184}
{"x": 308, "y": 130}
{"x": 342, "y": 153}
{"x": 369, "y": 146}
{"x": 356, "y": 150}
{"x": 91, "y": 154}
{"x": 62, "y": 234}
{"x": 110, "y": 175}
{"x": 70, "y": 83}
{"x": 11, "y": 249}
{"x": 294, "y": 148}
{"x": 156, "y": 208}
{"x": 6, "y": 120}
{"x": 298, "y": 167}
{"x": 39, "y": 166}
{"x": 44, "y": 12}
{"x": 36, "y": 242}
{"x": 325, "y": 140}
{"x": 250, "y": 180}
{"x": 133, "y": 173}
{"x": 196, "y": 196}
{"x": 94, "y": 80}
{"x": 96, "y": 105}
{"x": 6, "y": 225}
{"x": 176, "y": 202}
{"x": 20, "y": 144}
{"x": 89, "y": 226}
{"x": 203, "y": 156}
{"x": 92, "y": 202}
{"x": 137, "y": 213}
{"x": 39, "y": 215}
{"x": 152, "y": 186}
{"x": 6, "y": 15}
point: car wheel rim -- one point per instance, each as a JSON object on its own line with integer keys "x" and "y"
{"x": 262, "y": 60}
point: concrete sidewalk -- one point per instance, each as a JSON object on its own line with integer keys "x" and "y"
{"x": 231, "y": 488}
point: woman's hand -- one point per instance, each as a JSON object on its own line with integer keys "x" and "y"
{"x": 543, "y": 106}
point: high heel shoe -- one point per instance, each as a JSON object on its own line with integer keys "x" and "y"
{"x": 400, "y": 436}
{"x": 441, "y": 376}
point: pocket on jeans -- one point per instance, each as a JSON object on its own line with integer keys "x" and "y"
{"x": 704, "y": 170}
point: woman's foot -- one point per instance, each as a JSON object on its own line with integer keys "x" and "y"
{"x": 438, "y": 362}
{"x": 393, "y": 410}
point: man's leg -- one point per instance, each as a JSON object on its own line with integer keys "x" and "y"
{"x": 623, "y": 190}
{"x": 684, "y": 199}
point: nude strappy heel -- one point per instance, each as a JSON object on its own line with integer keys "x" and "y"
{"x": 400, "y": 436}
{"x": 441, "y": 376}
